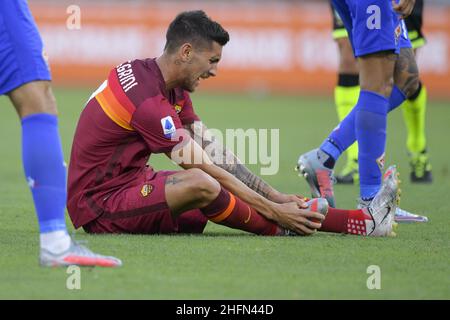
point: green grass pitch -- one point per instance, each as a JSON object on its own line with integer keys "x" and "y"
{"x": 229, "y": 264}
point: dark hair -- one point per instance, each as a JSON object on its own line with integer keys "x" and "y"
{"x": 194, "y": 27}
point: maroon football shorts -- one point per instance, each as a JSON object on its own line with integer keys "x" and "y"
{"x": 141, "y": 208}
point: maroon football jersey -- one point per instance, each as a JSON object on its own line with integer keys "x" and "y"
{"x": 128, "y": 118}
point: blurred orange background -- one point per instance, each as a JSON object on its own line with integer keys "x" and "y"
{"x": 283, "y": 47}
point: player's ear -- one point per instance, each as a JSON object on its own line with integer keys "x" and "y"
{"x": 186, "y": 52}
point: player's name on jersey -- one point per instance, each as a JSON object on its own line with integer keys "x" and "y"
{"x": 126, "y": 77}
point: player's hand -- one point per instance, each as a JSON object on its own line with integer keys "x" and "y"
{"x": 291, "y": 217}
{"x": 285, "y": 198}
{"x": 403, "y": 7}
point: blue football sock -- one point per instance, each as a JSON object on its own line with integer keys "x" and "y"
{"x": 370, "y": 127}
{"x": 341, "y": 137}
{"x": 344, "y": 135}
{"x": 44, "y": 169}
{"x": 397, "y": 97}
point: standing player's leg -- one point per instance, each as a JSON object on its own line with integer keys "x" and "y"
{"x": 376, "y": 45}
{"x": 43, "y": 161}
{"x": 26, "y": 80}
{"x": 367, "y": 121}
{"x": 45, "y": 172}
{"x": 406, "y": 85}
{"x": 414, "y": 108}
{"x": 406, "y": 77}
{"x": 346, "y": 94}
{"x": 376, "y": 80}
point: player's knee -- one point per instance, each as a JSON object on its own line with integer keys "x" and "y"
{"x": 382, "y": 86}
{"x": 202, "y": 186}
{"x": 377, "y": 72}
{"x": 34, "y": 97}
{"x": 47, "y": 99}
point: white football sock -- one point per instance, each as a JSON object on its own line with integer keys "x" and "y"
{"x": 55, "y": 241}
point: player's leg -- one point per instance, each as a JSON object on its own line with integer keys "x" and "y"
{"x": 171, "y": 202}
{"x": 159, "y": 205}
{"x": 45, "y": 172}
{"x": 367, "y": 121}
{"x": 406, "y": 84}
{"x": 215, "y": 202}
{"x": 414, "y": 108}
{"x": 346, "y": 96}
{"x": 346, "y": 93}
{"x": 317, "y": 165}
{"x": 414, "y": 111}
{"x": 376, "y": 79}
{"x": 43, "y": 161}
{"x": 376, "y": 219}
{"x": 27, "y": 83}
{"x": 28, "y": 87}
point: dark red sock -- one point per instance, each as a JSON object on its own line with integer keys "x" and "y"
{"x": 230, "y": 211}
{"x": 345, "y": 221}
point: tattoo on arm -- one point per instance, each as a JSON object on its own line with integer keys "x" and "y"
{"x": 172, "y": 180}
{"x": 254, "y": 182}
{"x": 225, "y": 159}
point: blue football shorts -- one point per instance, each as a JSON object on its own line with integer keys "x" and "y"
{"x": 21, "y": 49}
{"x": 372, "y": 26}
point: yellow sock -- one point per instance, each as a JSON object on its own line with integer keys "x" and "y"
{"x": 414, "y": 115}
{"x": 345, "y": 99}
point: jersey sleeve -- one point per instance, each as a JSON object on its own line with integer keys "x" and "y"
{"x": 187, "y": 114}
{"x": 157, "y": 122}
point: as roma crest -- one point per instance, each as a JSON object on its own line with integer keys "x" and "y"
{"x": 146, "y": 189}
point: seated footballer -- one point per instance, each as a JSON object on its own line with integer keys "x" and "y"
{"x": 140, "y": 110}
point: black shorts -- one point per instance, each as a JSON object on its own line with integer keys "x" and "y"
{"x": 413, "y": 24}
{"x": 339, "y": 30}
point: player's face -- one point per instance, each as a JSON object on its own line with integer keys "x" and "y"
{"x": 202, "y": 66}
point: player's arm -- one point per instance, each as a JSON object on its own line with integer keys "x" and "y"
{"x": 404, "y": 7}
{"x": 189, "y": 155}
{"x": 226, "y": 160}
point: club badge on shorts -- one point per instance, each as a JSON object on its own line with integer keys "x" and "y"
{"x": 146, "y": 189}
